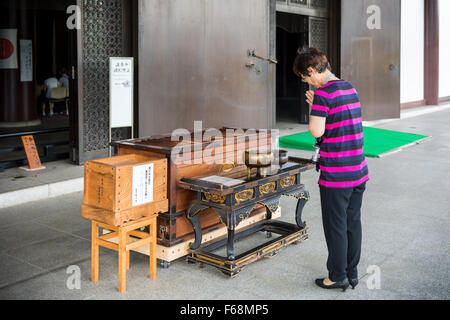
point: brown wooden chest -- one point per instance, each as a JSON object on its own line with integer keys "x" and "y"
{"x": 124, "y": 188}
{"x": 173, "y": 227}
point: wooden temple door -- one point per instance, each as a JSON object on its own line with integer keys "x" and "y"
{"x": 370, "y": 54}
{"x": 209, "y": 61}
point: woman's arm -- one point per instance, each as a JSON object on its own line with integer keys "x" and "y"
{"x": 317, "y": 126}
{"x": 319, "y": 113}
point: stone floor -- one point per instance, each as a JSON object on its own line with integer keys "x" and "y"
{"x": 406, "y": 227}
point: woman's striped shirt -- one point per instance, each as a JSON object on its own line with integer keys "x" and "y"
{"x": 342, "y": 161}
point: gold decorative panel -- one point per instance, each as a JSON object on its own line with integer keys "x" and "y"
{"x": 287, "y": 182}
{"x": 244, "y": 195}
{"x": 267, "y": 188}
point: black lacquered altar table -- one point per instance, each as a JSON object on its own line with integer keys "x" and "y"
{"x": 233, "y": 195}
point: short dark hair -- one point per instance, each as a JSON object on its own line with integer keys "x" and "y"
{"x": 310, "y": 57}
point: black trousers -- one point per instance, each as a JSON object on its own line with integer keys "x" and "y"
{"x": 341, "y": 217}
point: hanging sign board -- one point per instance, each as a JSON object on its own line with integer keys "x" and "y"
{"x": 8, "y": 49}
{"x": 121, "y": 92}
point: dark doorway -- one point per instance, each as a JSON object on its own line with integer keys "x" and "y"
{"x": 53, "y": 49}
{"x": 292, "y": 33}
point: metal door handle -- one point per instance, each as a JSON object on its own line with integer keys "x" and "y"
{"x": 251, "y": 53}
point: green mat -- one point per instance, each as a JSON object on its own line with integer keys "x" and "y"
{"x": 376, "y": 141}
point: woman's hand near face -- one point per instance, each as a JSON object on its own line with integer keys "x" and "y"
{"x": 310, "y": 97}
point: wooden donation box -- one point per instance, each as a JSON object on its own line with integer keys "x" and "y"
{"x": 123, "y": 195}
{"x": 196, "y": 154}
{"x": 122, "y": 189}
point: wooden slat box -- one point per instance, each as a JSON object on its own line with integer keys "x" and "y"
{"x": 124, "y": 188}
{"x": 173, "y": 227}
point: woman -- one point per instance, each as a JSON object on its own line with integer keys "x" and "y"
{"x": 336, "y": 118}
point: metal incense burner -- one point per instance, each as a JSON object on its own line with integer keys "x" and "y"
{"x": 263, "y": 160}
{"x": 259, "y": 160}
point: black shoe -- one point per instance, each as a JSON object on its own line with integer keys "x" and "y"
{"x": 344, "y": 284}
{"x": 353, "y": 282}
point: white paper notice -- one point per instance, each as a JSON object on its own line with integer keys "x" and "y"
{"x": 26, "y": 60}
{"x": 142, "y": 184}
{"x": 121, "y": 90}
{"x": 223, "y": 180}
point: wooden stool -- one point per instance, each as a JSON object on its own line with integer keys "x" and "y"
{"x": 123, "y": 233}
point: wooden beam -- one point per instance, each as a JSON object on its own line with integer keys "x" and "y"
{"x": 138, "y": 243}
{"x": 108, "y": 244}
{"x": 109, "y": 235}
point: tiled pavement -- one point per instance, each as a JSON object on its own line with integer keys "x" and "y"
{"x": 406, "y": 227}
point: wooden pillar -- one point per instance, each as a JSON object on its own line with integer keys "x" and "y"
{"x": 431, "y": 89}
{"x": 54, "y": 45}
{"x": 334, "y": 39}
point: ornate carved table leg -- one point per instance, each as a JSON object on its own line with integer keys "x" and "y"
{"x": 303, "y": 196}
{"x": 192, "y": 215}
{"x": 232, "y": 220}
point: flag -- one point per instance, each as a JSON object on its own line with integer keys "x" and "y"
{"x": 8, "y": 49}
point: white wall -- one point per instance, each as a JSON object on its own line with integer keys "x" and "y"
{"x": 444, "y": 48}
{"x": 412, "y": 50}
